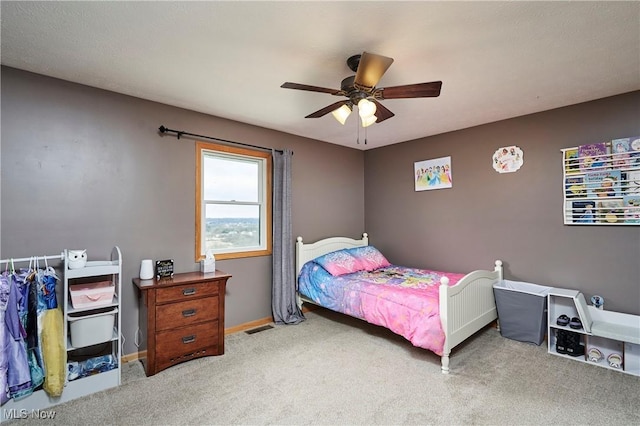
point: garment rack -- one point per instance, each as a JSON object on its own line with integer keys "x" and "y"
{"x": 29, "y": 259}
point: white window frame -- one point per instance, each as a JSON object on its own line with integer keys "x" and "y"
{"x": 263, "y": 159}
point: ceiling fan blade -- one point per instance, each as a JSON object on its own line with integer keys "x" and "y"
{"x": 382, "y": 112}
{"x": 297, "y": 86}
{"x": 420, "y": 90}
{"x": 327, "y": 109}
{"x": 371, "y": 68}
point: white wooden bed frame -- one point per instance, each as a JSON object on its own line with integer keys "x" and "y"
{"x": 465, "y": 308}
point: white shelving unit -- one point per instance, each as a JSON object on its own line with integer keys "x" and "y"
{"x": 93, "y": 271}
{"x": 603, "y": 333}
{"x": 99, "y": 270}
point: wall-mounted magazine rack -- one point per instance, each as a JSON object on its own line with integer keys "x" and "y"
{"x": 601, "y": 183}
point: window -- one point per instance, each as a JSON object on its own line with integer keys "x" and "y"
{"x": 233, "y": 201}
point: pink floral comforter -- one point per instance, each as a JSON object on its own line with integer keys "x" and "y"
{"x": 404, "y": 300}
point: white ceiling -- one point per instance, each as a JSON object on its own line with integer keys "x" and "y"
{"x": 496, "y": 59}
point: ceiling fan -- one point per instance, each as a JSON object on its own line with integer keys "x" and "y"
{"x": 360, "y": 89}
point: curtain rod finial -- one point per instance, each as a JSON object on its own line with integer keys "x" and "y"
{"x": 162, "y": 129}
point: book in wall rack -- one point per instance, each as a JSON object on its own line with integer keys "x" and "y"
{"x": 601, "y": 183}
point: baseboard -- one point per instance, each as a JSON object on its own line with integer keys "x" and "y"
{"x": 134, "y": 356}
{"x": 247, "y": 326}
{"x": 309, "y": 308}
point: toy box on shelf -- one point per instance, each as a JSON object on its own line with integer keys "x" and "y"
{"x": 92, "y": 295}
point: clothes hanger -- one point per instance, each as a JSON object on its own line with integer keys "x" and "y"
{"x": 32, "y": 270}
{"x": 49, "y": 270}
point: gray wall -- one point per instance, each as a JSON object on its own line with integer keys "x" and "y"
{"x": 86, "y": 168}
{"x": 516, "y": 217}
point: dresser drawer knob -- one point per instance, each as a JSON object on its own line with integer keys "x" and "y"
{"x": 189, "y": 339}
{"x": 189, "y": 291}
{"x": 188, "y": 313}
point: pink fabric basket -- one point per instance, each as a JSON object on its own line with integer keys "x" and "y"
{"x": 92, "y": 295}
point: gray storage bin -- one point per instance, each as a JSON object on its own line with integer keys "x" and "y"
{"x": 522, "y": 310}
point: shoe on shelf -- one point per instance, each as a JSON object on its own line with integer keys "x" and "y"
{"x": 575, "y": 323}
{"x": 563, "y": 320}
{"x": 575, "y": 350}
{"x": 561, "y": 342}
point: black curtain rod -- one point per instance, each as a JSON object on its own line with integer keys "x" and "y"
{"x": 180, "y": 133}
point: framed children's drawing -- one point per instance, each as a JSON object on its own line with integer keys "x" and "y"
{"x": 432, "y": 174}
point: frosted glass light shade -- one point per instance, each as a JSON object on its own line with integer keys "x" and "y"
{"x": 368, "y": 121}
{"x": 366, "y": 108}
{"x": 342, "y": 113}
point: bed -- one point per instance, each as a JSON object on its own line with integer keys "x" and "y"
{"x": 434, "y": 310}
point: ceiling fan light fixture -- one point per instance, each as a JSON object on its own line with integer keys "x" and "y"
{"x": 361, "y": 90}
{"x": 366, "y": 108}
{"x": 368, "y": 121}
{"x": 341, "y": 114}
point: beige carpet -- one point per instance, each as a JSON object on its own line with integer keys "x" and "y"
{"x": 333, "y": 370}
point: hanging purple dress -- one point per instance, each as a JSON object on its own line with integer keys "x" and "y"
{"x": 18, "y": 376}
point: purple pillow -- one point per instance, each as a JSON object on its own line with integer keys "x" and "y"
{"x": 339, "y": 262}
{"x": 369, "y": 258}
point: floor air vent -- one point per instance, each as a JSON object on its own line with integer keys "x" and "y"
{"x": 259, "y": 329}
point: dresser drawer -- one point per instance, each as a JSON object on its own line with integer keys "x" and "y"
{"x": 175, "y": 343}
{"x": 179, "y": 314}
{"x": 188, "y": 291}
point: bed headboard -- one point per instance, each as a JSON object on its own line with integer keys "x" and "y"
{"x": 307, "y": 252}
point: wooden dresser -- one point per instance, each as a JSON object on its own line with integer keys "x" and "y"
{"x": 183, "y": 317}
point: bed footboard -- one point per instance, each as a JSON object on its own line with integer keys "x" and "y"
{"x": 467, "y": 307}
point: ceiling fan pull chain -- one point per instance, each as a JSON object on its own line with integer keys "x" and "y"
{"x": 365, "y": 135}
{"x": 358, "y": 131}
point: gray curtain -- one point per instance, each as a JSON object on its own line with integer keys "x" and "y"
{"x": 283, "y": 296}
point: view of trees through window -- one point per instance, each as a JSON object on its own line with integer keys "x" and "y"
{"x": 230, "y": 232}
